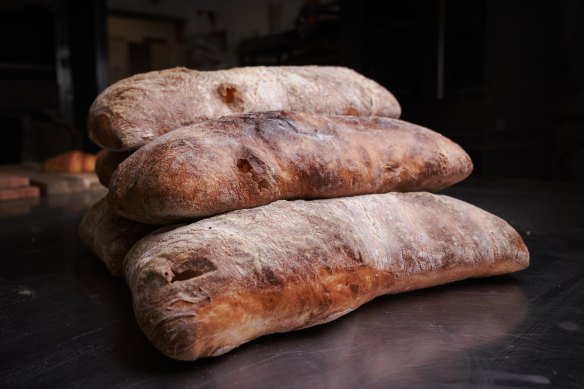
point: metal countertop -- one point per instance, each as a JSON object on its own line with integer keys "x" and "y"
{"x": 65, "y": 322}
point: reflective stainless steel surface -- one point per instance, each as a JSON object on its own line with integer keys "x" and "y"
{"x": 65, "y": 322}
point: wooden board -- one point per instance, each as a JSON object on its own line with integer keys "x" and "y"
{"x": 55, "y": 183}
{"x": 24, "y": 192}
{"x": 12, "y": 181}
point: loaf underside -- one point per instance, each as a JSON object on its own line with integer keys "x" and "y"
{"x": 110, "y": 236}
{"x": 208, "y": 287}
{"x": 107, "y": 162}
{"x": 250, "y": 160}
{"x": 134, "y": 111}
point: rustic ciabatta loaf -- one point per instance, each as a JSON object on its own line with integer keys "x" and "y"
{"x": 133, "y": 111}
{"x": 70, "y": 162}
{"x": 203, "y": 289}
{"x": 110, "y": 236}
{"x": 106, "y": 163}
{"x": 249, "y": 160}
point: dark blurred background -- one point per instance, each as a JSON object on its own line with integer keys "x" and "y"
{"x": 505, "y": 79}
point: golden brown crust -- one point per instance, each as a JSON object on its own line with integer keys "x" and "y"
{"x": 253, "y": 159}
{"x": 71, "y": 162}
{"x": 106, "y": 163}
{"x": 203, "y": 289}
{"x": 136, "y": 110}
{"x": 110, "y": 236}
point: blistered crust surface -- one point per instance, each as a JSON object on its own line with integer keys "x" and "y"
{"x": 205, "y": 288}
{"x": 253, "y": 159}
{"x": 136, "y": 110}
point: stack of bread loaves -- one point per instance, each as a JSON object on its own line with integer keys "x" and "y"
{"x": 285, "y": 180}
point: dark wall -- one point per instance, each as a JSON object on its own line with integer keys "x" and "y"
{"x": 81, "y": 37}
{"x": 522, "y": 74}
{"x": 51, "y": 68}
{"x": 568, "y": 130}
{"x": 503, "y": 78}
{"x": 27, "y": 72}
{"x": 486, "y": 73}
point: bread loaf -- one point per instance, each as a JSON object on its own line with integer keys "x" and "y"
{"x": 134, "y": 111}
{"x": 253, "y": 159}
{"x": 110, "y": 236}
{"x": 106, "y": 163}
{"x": 205, "y": 288}
{"x": 70, "y": 162}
